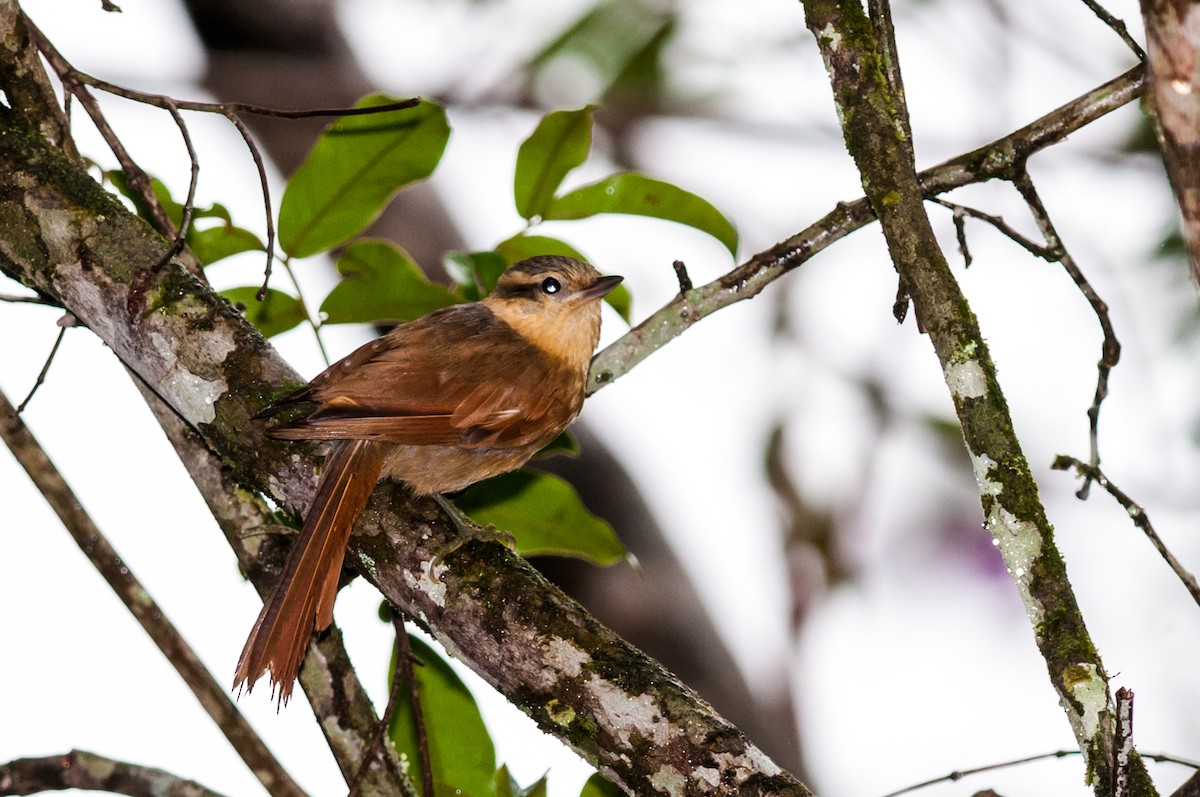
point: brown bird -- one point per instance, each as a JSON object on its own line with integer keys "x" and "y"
{"x": 439, "y": 403}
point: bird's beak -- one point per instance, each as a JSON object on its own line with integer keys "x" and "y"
{"x": 597, "y": 289}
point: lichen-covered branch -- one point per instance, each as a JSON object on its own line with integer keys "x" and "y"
{"x": 144, "y": 608}
{"x": 1173, "y": 50}
{"x": 997, "y": 159}
{"x": 90, "y": 772}
{"x": 338, "y": 699}
{"x": 859, "y": 55}
{"x": 63, "y": 235}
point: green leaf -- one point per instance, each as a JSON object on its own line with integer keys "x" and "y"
{"x": 218, "y": 243}
{"x": 609, "y": 38}
{"x": 353, "y": 170}
{"x": 545, "y": 515}
{"x": 276, "y": 313}
{"x": 381, "y": 283}
{"x": 461, "y": 753}
{"x": 505, "y": 784}
{"x": 522, "y": 246}
{"x": 599, "y": 786}
{"x": 559, "y": 143}
{"x": 564, "y": 444}
{"x": 476, "y": 273}
{"x": 536, "y": 789}
{"x": 643, "y": 196}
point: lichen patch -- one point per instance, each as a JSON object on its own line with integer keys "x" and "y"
{"x": 1088, "y": 688}
{"x": 966, "y": 379}
{"x": 564, "y": 658}
{"x": 630, "y": 713}
{"x": 429, "y": 582}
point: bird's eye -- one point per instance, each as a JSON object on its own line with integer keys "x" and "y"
{"x": 551, "y": 285}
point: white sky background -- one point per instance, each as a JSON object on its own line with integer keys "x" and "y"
{"x": 926, "y": 663}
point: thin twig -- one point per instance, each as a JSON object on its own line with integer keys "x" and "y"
{"x": 76, "y": 81}
{"x": 108, "y": 563}
{"x": 185, "y": 223}
{"x": 1122, "y": 744}
{"x": 89, "y": 772}
{"x": 993, "y": 160}
{"x": 1110, "y": 347}
{"x": 406, "y": 659}
{"x": 1136, "y": 513}
{"x": 1049, "y": 253}
{"x": 1118, "y": 27}
{"x": 402, "y": 674}
{"x": 316, "y": 328}
{"x": 41, "y": 377}
{"x": 681, "y": 274}
{"x": 266, "y": 194}
{"x": 958, "y": 775}
{"x": 63, "y": 66}
{"x": 74, "y": 84}
{"x": 385, "y": 721}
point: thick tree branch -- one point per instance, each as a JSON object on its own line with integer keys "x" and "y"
{"x": 90, "y": 772}
{"x": 997, "y": 159}
{"x": 96, "y": 547}
{"x": 859, "y": 54}
{"x": 338, "y": 700}
{"x": 1173, "y": 49}
{"x": 62, "y": 234}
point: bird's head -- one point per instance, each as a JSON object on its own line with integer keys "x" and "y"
{"x": 554, "y": 303}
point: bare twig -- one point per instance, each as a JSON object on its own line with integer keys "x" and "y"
{"x": 1118, "y": 26}
{"x": 73, "y": 84}
{"x": 994, "y": 160}
{"x": 105, "y": 559}
{"x": 41, "y": 377}
{"x": 681, "y": 273}
{"x": 400, "y": 675}
{"x": 62, "y": 66}
{"x": 266, "y": 195}
{"x": 1110, "y": 347}
{"x": 1122, "y": 743}
{"x": 185, "y": 223}
{"x": 957, "y": 775}
{"x": 1049, "y": 253}
{"x": 76, "y": 83}
{"x": 1136, "y": 513}
{"x": 406, "y": 662}
{"x": 90, "y": 772}
{"x": 308, "y": 316}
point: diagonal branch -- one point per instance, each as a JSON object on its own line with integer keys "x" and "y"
{"x": 1136, "y": 513}
{"x": 171, "y": 643}
{"x": 1173, "y": 50}
{"x": 90, "y": 772}
{"x": 997, "y": 159}
{"x": 577, "y": 679}
{"x": 338, "y": 700}
{"x": 860, "y": 57}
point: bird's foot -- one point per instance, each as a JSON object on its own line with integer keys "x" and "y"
{"x": 468, "y": 530}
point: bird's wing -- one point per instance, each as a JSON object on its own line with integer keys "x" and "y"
{"x": 458, "y": 377}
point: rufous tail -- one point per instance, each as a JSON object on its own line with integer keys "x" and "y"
{"x": 302, "y": 599}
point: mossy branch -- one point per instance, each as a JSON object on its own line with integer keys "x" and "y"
{"x": 63, "y": 235}
{"x": 860, "y": 57}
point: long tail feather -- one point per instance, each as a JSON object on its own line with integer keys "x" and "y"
{"x": 302, "y": 600}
